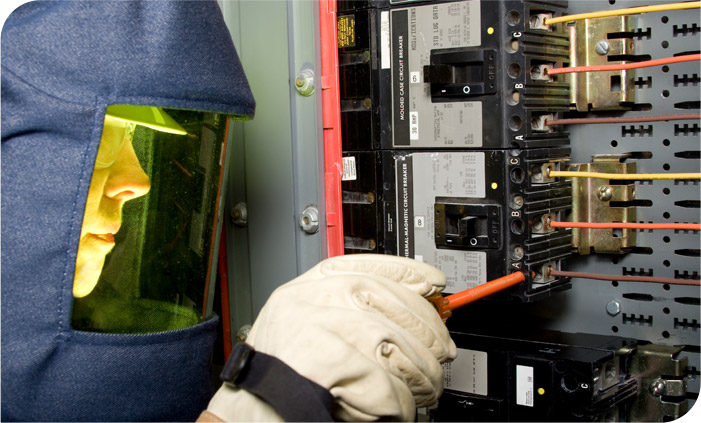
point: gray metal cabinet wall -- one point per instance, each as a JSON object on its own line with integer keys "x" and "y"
{"x": 276, "y": 166}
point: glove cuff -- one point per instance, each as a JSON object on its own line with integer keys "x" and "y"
{"x": 293, "y": 396}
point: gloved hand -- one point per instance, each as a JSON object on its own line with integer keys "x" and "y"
{"x": 359, "y": 326}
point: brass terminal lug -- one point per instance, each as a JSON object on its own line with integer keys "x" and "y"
{"x": 591, "y": 202}
{"x": 591, "y": 46}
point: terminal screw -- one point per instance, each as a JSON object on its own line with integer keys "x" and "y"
{"x": 602, "y": 47}
{"x": 605, "y": 193}
{"x": 657, "y": 387}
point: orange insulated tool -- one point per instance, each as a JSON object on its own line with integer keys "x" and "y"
{"x": 446, "y": 305}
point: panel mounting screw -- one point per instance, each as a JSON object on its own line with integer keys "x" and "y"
{"x": 602, "y": 47}
{"x": 613, "y": 307}
{"x": 239, "y": 214}
{"x": 605, "y": 193}
{"x": 657, "y": 387}
{"x": 304, "y": 82}
{"x": 309, "y": 220}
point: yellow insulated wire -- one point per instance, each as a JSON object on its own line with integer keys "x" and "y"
{"x": 622, "y": 176}
{"x": 628, "y": 11}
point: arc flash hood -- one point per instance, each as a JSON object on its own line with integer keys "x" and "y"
{"x": 63, "y": 64}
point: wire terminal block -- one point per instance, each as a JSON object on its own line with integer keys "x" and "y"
{"x": 592, "y": 91}
{"x": 598, "y": 200}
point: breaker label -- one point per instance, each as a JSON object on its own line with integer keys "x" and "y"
{"x": 346, "y": 31}
{"x": 405, "y": 207}
{"x": 413, "y": 125}
{"x": 349, "y": 173}
{"x": 524, "y": 385}
{"x": 415, "y": 32}
{"x": 467, "y": 373}
{"x": 385, "y": 43}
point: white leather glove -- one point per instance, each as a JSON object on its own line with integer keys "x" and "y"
{"x": 355, "y": 325}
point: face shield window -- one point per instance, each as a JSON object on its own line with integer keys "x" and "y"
{"x": 146, "y": 249}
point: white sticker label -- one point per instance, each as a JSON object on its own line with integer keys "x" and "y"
{"x": 349, "y": 169}
{"x": 415, "y": 77}
{"x": 419, "y": 222}
{"x": 385, "y": 57}
{"x": 413, "y": 125}
{"x": 524, "y": 385}
{"x": 467, "y": 373}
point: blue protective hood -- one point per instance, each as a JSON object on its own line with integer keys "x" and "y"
{"x": 62, "y": 64}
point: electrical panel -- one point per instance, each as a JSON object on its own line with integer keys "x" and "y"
{"x": 470, "y": 143}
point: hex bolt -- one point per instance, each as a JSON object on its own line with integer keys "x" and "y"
{"x": 304, "y": 82}
{"x": 613, "y": 307}
{"x": 602, "y": 47}
{"x": 239, "y": 214}
{"x": 605, "y": 193}
{"x": 658, "y": 387}
{"x": 309, "y": 220}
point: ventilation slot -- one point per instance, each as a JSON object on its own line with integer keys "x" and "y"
{"x": 689, "y": 204}
{"x": 636, "y": 272}
{"x": 688, "y": 154}
{"x": 632, "y": 203}
{"x": 693, "y": 275}
{"x": 688, "y": 252}
{"x": 643, "y": 83}
{"x": 685, "y": 231}
{"x": 639, "y": 34}
{"x": 685, "y": 30}
{"x": 634, "y": 319}
{"x": 638, "y": 297}
{"x": 688, "y": 105}
{"x": 685, "y": 129}
{"x": 641, "y": 250}
{"x": 685, "y": 324}
{"x": 640, "y": 130}
{"x": 686, "y": 80}
{"x": 628, "y": 57}
{"x": 688, "y": 300}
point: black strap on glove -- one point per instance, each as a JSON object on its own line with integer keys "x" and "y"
{"x": 294, "y": 397}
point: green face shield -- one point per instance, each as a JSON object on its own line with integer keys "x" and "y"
{"x": 147, "y": 248}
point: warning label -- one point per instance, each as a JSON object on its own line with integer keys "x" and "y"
{"x": 346, "y": 31}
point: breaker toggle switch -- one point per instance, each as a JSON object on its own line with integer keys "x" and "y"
{"x": 459, "y": 74}
{"x": 467, "y": 226}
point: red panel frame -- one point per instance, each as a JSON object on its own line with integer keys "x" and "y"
{"x": 331, "y": 119}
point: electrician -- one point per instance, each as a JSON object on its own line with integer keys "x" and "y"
{"x": 353, "y": 334}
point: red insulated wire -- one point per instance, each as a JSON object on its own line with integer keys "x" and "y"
{"x": 615, "y": 225}
{"x": 626, "y": 66}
